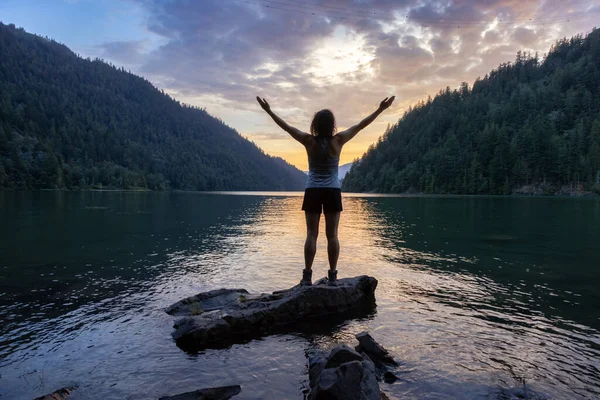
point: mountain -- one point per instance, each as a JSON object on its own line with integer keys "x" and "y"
{"x": 528, "y": 127}
{"x": 343, "y": 170}
{"x": 69, "y": 122}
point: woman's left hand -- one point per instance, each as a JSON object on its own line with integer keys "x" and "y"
{"x": 263, "y": 103}
{"x": 386, "y": 103}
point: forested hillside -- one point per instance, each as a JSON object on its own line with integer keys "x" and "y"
{"x": 68, "y": 122}
{"x": 530, "y": 126}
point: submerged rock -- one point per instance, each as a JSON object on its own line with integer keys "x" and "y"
{"x": 60, "y": 394}
{"x": 389, "y": 377}
{"x": 374, "y": 350}
{"x": 218, "y": 393}
{"x": 226, "y": 316}
{"x": 343, "y": 375}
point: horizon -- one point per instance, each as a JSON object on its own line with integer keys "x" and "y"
{"x": 304, "y": 56}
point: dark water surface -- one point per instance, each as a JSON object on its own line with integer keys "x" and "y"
{"x": 478, "y": 297}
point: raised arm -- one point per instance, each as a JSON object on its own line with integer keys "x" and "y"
{"x": 349, "y": 133}
{"x": 296, "y": 133}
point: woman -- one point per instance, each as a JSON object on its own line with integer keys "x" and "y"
{"x": 322, "y": 192}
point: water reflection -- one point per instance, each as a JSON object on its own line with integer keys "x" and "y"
{"x": 477, "y": 297}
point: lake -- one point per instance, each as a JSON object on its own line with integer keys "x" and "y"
{"x": 478, "y": 297}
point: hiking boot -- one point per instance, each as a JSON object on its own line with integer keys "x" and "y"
{"x": 306, "y": 277}
{"x": 332, "y": 277}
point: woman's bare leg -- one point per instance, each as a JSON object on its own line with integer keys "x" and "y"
{"x": 312, "y": 232}
{"x": 332, "y": 220}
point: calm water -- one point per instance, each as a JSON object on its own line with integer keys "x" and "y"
{"x": 478, "y": 297}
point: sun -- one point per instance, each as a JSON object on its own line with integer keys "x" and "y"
{"x": 340, "y": 56}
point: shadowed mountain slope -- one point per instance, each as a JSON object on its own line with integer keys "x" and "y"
{"x": 69, "y": 122}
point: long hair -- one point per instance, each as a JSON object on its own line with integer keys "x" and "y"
{"x": 323, "y": 124}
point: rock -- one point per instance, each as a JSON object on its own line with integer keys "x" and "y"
{"x": 226, "y": 316}
{"x": 207, "y": 301}
{"x": 343, "y": 375}
{"x": 389, "y": 377}
{"x": 374, "y": 350}
{"x": 316, "y": 363}
{"x": 381, "y": 357}
{"x": 341, "y": 355}
{"x": 218, "y": 393}
{"x": 60, "y": 394}
{"x": 350, "y": 374}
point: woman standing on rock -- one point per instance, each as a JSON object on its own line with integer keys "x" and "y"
{"x": 322, "y": 193}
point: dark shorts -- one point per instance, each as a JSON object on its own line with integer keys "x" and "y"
{"x": 319, "y": 200}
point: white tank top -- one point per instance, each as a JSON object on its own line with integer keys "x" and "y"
{"x": 322, "y": 167}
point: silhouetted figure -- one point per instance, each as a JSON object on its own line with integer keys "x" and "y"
{"x": 322, "y": 193}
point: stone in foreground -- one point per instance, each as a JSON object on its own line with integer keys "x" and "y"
{"x": 218, "y": 393}
{"x": 60, "y": 394}
{"x": 343, "y": 375}
{"x": 351, "y": 374}
{"x": 384, "y": 362}
{"x": 226, "y": 316}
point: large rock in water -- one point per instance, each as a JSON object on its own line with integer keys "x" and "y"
{"x": 222, "y": 317}
{"x": 343, "y": 375}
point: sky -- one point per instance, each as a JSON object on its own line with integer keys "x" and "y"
{"x": 304, "y": 55}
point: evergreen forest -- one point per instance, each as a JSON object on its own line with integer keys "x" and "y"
{"x": 72, "y": 123}
{"x": 531, "y": 126}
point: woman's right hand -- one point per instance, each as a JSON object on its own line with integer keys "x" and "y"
{"x": 263, "y": 103}
{"x": 386, "y": 103}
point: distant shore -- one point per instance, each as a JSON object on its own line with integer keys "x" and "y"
{"x": 521, "y": 192}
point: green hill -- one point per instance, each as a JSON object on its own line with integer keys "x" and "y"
{"x": 69, "y": 122}
{"x": 528, "y": 127}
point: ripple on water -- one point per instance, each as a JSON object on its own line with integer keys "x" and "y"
{"x": 86, "y": 308}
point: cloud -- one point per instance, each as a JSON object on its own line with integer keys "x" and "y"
{"x": 340, "y": 54}
{"x": 213, "y": 44}
{"x": 525, "y": 36}
{"x": 124, "y": 52}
